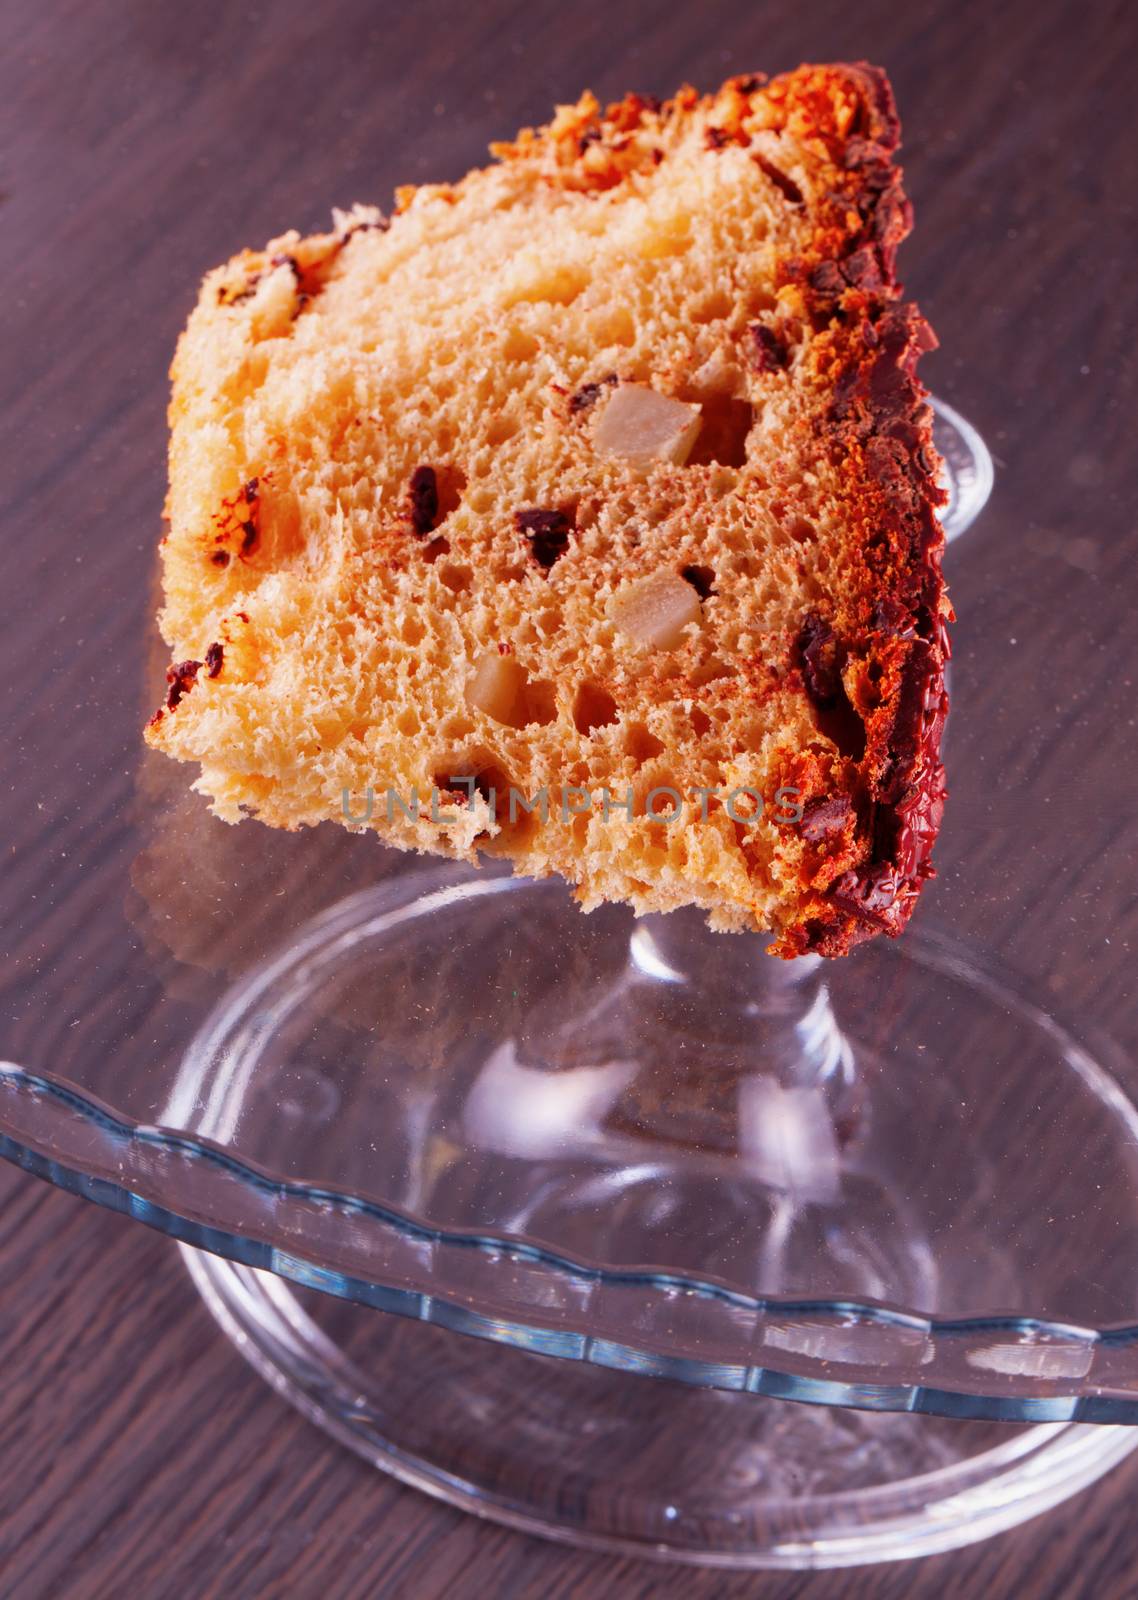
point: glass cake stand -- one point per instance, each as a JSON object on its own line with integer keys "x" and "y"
{"x": 626, "y": 1190}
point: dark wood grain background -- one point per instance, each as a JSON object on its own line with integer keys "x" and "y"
{"x": 141, "y": 144}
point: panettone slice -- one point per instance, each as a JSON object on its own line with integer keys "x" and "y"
{"x": 583, "y": 513}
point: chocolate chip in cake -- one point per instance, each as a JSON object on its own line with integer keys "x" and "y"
{"x": 214, "y": 656}
{"x": 765, "y": 350}
{"x": 782, "y": 183}
{"x": 588, "y": 394}
{"x": 423, "y": 499}
{"x": 181, "y": 677}
{"x": 825, "y": 816}
{"x": 817, "y": 649}
{"x": 826, "y": 279}
{"x": 251, "y": 525}
{"x": 548, "y": 532}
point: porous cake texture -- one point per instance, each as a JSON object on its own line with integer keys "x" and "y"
{"x": 583, "y": 513}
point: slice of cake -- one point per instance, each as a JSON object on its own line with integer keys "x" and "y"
{"x": 583, "y": 513}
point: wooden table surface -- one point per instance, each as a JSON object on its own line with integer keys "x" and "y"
{"x": 141, "y": 144}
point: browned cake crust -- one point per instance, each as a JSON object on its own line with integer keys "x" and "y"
{"x": 815, "y": 660}
{"x": 891, "y": 626}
